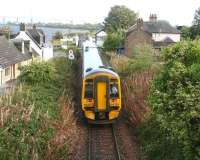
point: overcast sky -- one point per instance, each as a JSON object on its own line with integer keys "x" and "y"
{"x": 177, "y": 12}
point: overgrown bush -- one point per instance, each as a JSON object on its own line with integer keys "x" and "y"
{"x": 37, "y": 72}
{"x": 113, "y": 41}
{"x": 175, "y": 105}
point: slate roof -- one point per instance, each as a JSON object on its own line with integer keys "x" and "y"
{"x": 9, "y": 54}
{"x": 27, "y": 54}
{"x": 31, "y": 34}
{"x": 35, "y": 32}
{"x": 159, "y": 26}
{"x": 35, "y": 35}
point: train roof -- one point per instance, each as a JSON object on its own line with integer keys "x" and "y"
{"x": 92, "y": 62}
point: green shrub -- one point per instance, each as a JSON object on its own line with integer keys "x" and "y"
{"x": 37, "y": 73}
{"x": 175, "y": 104}
{"x": 156, "y": 143}
{"x": 113, "y": 41}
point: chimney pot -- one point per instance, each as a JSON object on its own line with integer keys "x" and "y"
{"x": 153, "y": 18}
{"x": 34, "y": 26}
{"x": 139, "y": 23}
{"x": 22, "y": 27}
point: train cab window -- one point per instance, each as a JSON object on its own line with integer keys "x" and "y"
{"x": 114, "y": 91}
{"x": 89, "y": 89}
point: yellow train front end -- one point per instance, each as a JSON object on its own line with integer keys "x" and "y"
{"x": 101, "y": 97}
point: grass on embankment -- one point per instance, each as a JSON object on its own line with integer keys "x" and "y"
{"x": 36, "y": 118}
{"x": 136, "y": 74}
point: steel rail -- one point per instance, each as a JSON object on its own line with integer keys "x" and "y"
{"x": 90, "y": 141}
{"x": 116, "y": 144}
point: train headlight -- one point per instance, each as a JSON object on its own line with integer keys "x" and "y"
{"x": 114, "y": 102}
{"x": 88, "y": 102}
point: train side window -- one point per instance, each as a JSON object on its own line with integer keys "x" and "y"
{"x": 89, "y": 90}
{"x": 114, "y": 91}
{"x": 86, "y": 49}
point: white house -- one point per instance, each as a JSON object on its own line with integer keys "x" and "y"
{"x": 37, "y": 41}
{"x": 66, "y": 40}
{"x": 100, "y": 37}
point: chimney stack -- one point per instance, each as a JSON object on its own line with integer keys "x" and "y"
{"x": 139, "y": 23}
{"x": 153, "y": 18}
{"x": 22, "y": 27}
{"x": 34, "y": 26}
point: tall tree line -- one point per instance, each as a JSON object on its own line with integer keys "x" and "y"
{"x": 192, "y": 32}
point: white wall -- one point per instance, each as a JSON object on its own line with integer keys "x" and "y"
{"x": 24, "y": 36}
{"x": 100, "y": 38}
{"x": 76, "y": 40}
{"x": 100, "y": 41}
{"x": 162, "y": 36}
{"x": 45, "y": 52}
{"x": 63, "y": 43}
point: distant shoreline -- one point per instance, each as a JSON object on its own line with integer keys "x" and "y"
{"x": 87, "y": 26}
{"x": 49, "y": 31}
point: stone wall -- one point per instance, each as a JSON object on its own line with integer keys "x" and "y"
{"x": 134, "y": 38}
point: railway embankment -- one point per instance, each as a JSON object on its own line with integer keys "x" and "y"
{"x": 160, "y": 98}
{"x": 37, "y": 118}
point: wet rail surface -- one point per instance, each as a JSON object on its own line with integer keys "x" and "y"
{"x": 103, "y": 143}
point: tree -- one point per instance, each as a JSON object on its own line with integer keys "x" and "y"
{"x": 185, "y": 32}
{"x": 119, "y": 18}
{"x": 196, "y": 20}
{"x": 113, "y": 41}
{"x": 58, "y": 35}
{"x": 195, "y": 28}
{"x": 194, "y": 31}
{"x": 37, "y": 73}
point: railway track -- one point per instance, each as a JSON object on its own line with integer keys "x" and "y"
{"x": 102, "y": 143}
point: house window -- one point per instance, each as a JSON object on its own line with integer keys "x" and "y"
{"x": 7, "y": 71}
